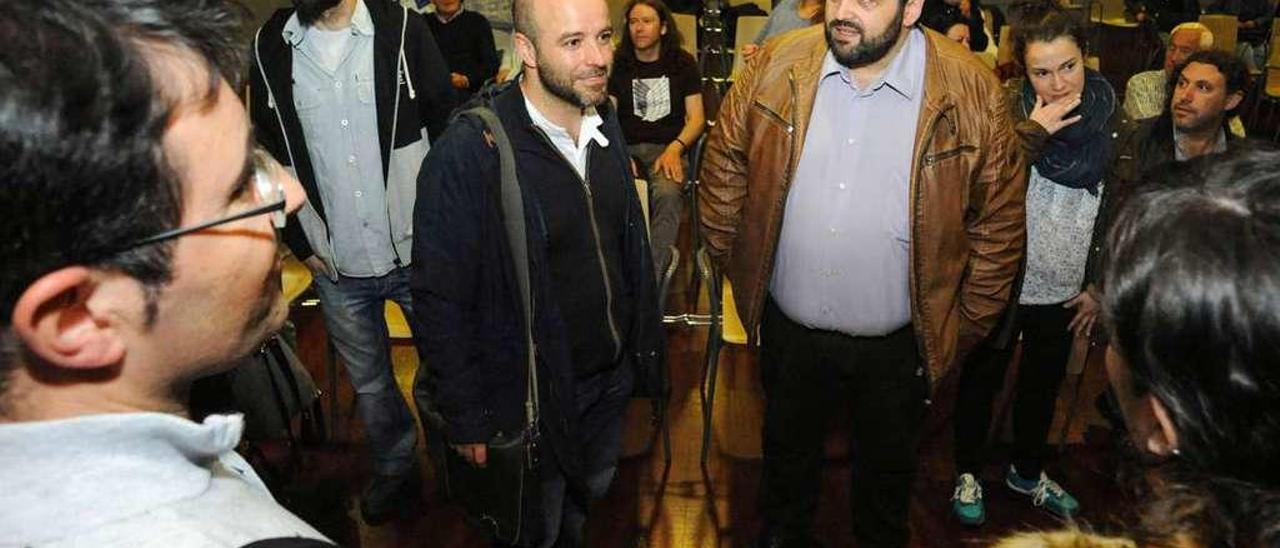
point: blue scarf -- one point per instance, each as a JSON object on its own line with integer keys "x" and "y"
{"x": 1077, "y": 156}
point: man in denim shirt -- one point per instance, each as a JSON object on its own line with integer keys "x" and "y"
{"x": 346, "y": 92}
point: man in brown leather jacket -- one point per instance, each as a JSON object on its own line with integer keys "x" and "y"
{"x": 888, "y": 152}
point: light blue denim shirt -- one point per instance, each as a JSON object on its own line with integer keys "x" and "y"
{"x": 843, "y": 259}
{"x": 339, "y": 115}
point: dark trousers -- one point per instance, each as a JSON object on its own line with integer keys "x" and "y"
{"x": 809, "y": 375}
{"x": 601, "y": 403}
{"x": 1046, "y": 347}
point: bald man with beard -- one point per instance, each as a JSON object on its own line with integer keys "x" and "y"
{"x": 595, "y": 321}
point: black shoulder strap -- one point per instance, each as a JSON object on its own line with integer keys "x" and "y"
{"x": 513, "y": 218}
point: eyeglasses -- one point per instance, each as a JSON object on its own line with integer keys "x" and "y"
{"x": 267, "y": 191}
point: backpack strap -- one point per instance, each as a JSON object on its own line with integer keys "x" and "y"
{"x": 514, "y": 221}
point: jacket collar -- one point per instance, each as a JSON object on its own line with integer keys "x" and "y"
{"x": 805, "y": 74}
{"x": 294, "y": 33}
{"x": 899, "y": 75}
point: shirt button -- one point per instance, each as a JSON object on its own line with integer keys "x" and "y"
{"x": 850, "y": 141}
{"x": 359, "y": 194}
{"x": 351, "y": 159}
{"x": 344, "y": 122}
{"x": 337, "y": 85}
{"x": 841, "y": 186}
{"x": 833, "y": 230}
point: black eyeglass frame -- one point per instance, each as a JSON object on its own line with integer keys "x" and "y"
{"x": 261, "y": 162}
{"x": 183, "y": 231}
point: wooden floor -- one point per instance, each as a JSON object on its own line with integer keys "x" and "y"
{"x": 642, "y": 509}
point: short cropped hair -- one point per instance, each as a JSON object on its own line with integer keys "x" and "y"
{"x": 522, "y": 18}
{"x": 1206, "y": 35}
{"x": 83, "y": 116}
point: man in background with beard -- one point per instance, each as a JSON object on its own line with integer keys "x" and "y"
{"x": 346, "y": 93}
{"x": 595, "y": 321}
{"x": 863, "y": 191}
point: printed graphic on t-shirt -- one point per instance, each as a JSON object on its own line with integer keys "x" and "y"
{"x": 651, "y": 98}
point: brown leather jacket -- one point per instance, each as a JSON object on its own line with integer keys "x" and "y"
{"x": 968, "y": 184}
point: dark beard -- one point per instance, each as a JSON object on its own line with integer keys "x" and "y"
{"x": 310, "y": 11}
{"x": 870, "y": 48}
{"x": 561, "y": 86}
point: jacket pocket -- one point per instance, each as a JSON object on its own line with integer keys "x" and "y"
{"x": 934, "y": 158}
{"x": 772, "y": 115}
{"x": 306, "y": 100}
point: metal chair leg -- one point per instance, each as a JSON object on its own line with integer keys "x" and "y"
{"x": 708, "y": 393}
{"x": 711, "y": 368}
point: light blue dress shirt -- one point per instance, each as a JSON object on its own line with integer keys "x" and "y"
{"x": 338, "y": 110}
{"x": 843, "y": 260}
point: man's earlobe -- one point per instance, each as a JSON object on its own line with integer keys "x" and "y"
{"x": 525, "y": 50}
{"x": 53, "y": 320}
{"x": 1234, "y": 100}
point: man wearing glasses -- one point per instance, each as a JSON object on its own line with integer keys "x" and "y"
{"x": 140, "y": 253}
{"x": 346, "y": 93}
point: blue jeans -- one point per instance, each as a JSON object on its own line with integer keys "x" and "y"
{"x": 354, "y": 315}
{"x": 601, "y": 402}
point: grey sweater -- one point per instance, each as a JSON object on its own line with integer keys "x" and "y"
{"x": 135, "y": 479}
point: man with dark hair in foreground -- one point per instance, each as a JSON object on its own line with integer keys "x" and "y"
{"x": 139, "y": 256}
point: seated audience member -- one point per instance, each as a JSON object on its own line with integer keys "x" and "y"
{"x": 952, "y": 26}
{"x": 1146, "y": 93}
{"x": 658, "y": 92}
{"x": 968, "y": 11}
{"x": 1191, "y": 280}
{"x": 466, "y": 41}
{"x": 786, "y": 16}
{"x": 139, "y": 255}
{"x": 1206, "y": 91}
{"x": 1070, "y": 126}
{"x": 1165, "y": 15}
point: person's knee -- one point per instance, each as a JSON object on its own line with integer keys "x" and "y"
{"x": 598, "y": 482}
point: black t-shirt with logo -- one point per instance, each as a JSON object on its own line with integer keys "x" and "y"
{"x": 651, "y": 95}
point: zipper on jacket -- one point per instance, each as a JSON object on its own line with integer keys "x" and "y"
{"x": 595, "y": 233}
{"x": 930, "y": 159}
{"x": 786, "y": 178}
{"x": 926, "y": 160}
{"x": 776, "y": 117}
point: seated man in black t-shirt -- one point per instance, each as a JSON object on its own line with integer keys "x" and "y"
{"x": 466, "y": 41}
{"x": 658, "y": 92}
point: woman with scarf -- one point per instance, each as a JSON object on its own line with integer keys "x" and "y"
{"x": 1070, "y": 124}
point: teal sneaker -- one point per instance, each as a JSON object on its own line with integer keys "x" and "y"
{"x": 966, "y": 503}
{"x": 1045, "y": 493}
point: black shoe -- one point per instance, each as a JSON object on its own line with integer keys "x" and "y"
{"x": 387, "y": 496}
{"x": 769, "y": 540}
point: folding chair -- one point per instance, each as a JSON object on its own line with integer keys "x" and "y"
{"x": 1225, "y": 28}
{"x": 688, "y": 27}
{"x": 725, "y": 327}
